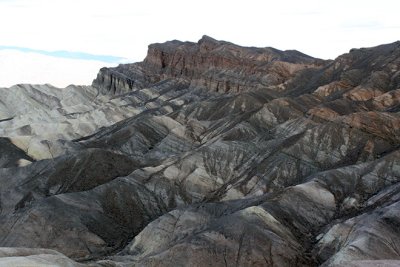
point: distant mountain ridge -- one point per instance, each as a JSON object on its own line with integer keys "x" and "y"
{"x": 212, "y": 64}
{"x": 66, "y": 54}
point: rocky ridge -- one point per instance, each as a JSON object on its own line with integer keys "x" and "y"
{"x": 207, "y": 153}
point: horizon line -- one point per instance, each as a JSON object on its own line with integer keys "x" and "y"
{"x": 67, "y": 54}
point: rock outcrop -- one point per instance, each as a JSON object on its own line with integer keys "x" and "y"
{"x": 207, "y": 154}
{"x": 216, "y": 65}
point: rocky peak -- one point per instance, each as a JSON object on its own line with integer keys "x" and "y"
{"x": 216, "y": 65}
{"x": 207, "y": 43}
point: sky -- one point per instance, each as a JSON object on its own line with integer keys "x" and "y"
{"x": 66, "y": 41}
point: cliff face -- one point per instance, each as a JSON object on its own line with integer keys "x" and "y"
{"x": 207, "y": 154}
{"x": 216, "y": 65}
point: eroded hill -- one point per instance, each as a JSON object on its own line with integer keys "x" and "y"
{"x": 207, "y": 154}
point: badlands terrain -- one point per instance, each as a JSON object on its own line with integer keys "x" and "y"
{"x": 206, "y": 154}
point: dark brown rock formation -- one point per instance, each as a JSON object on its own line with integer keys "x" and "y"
{"x": 216, "y": 65}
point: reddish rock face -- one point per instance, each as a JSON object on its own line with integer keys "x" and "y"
{"x": 219, "y": 66}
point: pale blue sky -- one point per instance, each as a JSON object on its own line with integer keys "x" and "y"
{"x": 124, "y": 28}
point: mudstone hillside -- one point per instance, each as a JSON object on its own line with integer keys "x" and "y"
{"x": 207, "y": 154}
